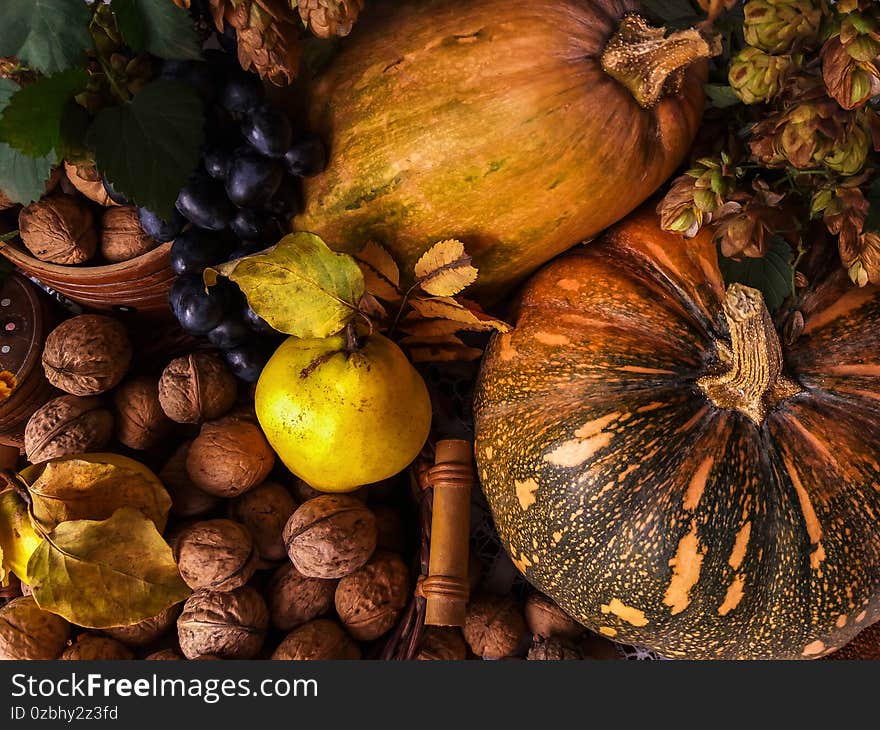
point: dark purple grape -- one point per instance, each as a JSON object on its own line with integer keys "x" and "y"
{"x": 159, "y": 229}
{"x": 268, "y": 131}
{"x": 221, "y": 61}
{"x": 194, "y": 250}
{"x": 216, "y": 161}
{"x": 257, "y": 323}
{"x": 112, "y": 193}
{"x": 196, "y": 74}
{"x": 247, "y": 362}
{"x": 228, "y": 39}
{"x": 247, "y": 248}
{"x": 183, "y": 286}
{"x": 306, "y": 157}
{"x": 231, "y": 332}
{"x": 200, "y": 311}
{"x": 203, "y": 202}
{"x": 250, "y": 224}
{"x": 285, "y": 203}
{"x": 241, "y": 93}
{"x": 252, "y": 179}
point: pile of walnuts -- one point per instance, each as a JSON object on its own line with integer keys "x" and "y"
{"x": 76, "y": 222}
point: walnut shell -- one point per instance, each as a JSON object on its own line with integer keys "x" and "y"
{"x": 187, "y": 500}
{"x": 330, "y": 536}
{"x": 545, "y": 619}
{"x": 164, "y": 655}
{"x": 494, "y": 626}
{"x": 28, "y": 632}
{"x": 294, "y": 598}
{"x": 229, "y": 625}
{"x": 228, "y": 457}
{"x": 321, "y": 639}
{"x": 146, "y": 631}
{"x": 67, "y": 425}
{"x": 92, "y": 647}
{"x": 59, "y": 229}
{"x": 370, "y": 600}
{"x": 87, "y": 355}
{"x": 87, "y": 180}
{"x": 140, "y": 421}
{"x": 216, "y": 555}
{"x": 553, "y": 649}
{"x": 442, "y": 643}
{"x": 196, "y": 388}
{"x": 264, "y": 510}
{"x": 122, "y": 237}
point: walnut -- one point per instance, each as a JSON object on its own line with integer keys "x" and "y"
{"x": 264, "y": 510}
{"x": 216, "y": 555}
{"x": 28, "y": 632}
{"x": 59, "y": 229}
{"x": 164, "y": 655}
{"x": 229, "y": 456}
{"x": 442, "y": 643}
{"x": 140, "y": 421}
{"x": 92, "y": 647}
{"x": 546, "y": 619}
{"x": 229, "y": 625}
{"x": 67, "y": 425}
{"x": 553, "y": 649}
{"x": 187, "y": 500}
{"x": 494, "y": 626}
{"x": 87, "y": 355}
{"x": 321, "y": 639}
{"x": 146, "y": 631}
{"x": 196, "y": 388}
{"x": 330, "y": 536}
{"x": 370, "y": 600}
{"x": 87, "y": 180}
{"x": 389, "y": 528}
{"x": 122, "y": 237}
{"x": 294, "y": 598}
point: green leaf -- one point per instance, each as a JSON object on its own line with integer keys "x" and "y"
{"x": 872, "y": 222}
{"x": 300, "y": 286}
{"x": 31, "y": 121}
{"x": 149, "y": 147}
{"x": 721, "y": 96}
{"x": 22, "y": 178}
{"x": 114, "y": 572}
{"x": 772, "y": 275}
{"x": 157, "y": 26}
{"x": 48, "y": 35}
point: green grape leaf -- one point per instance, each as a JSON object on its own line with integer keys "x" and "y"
{"x": 99, "y": 574}
{"x": 31, "y": 121}
{"x": 721, "y": 96}
{"x": 157, "y": 26}
{"x": 18, "y": 539}
{"x": 22, "y": 178}
{"x": 47, "y": 35}
{"x": 149, "y": 146}
{"x": 76, "y": 489}
{"x": 772, "y": 274}
{"x": 299, "y": 286}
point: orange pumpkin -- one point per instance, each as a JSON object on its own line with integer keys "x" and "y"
{"x": 666, "y": 472}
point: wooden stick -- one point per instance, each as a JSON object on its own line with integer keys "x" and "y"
{"x": 447, "y": 587}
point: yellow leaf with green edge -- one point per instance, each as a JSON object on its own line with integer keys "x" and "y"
{"x": 445, "y": 269}
{"x": 99, "y": 574}
{"x": 93, "y": 488}
{"x": 299, "y": 286}
{"x": 18, "y": 538}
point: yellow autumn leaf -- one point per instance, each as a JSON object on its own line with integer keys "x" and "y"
{"x": 93, "y": 487}
{"x": 99, "y": 574}
{"x": 300, "y": 286}
{"x": 445, "y": 269}
{"x": 448, "y": 308}
{"x": 18, "y": 539}
{"x": 380, "y": 270}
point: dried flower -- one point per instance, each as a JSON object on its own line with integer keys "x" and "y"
{"x": 747, "y": 231}
{"x": 328, "y": 18}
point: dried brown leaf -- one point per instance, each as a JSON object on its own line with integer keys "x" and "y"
{"x": 381, "y": 273}
{"x": 448, "y": 308}
{"x": 443, "y": 353}
{"x": 372, "y": 307}
{"x": 445, "y": 269}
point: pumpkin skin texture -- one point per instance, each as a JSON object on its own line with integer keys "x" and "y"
{"x": 648, "y": 512}
{"x": 492, "y": 122}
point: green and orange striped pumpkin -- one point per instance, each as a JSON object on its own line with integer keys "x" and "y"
{"x": 665, "y": 471}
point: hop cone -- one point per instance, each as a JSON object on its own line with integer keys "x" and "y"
{"x": 756, "y": 76}
{"x": 327, "y": 18}
{"x": 781, "y": 26}
{"x": 850, "y": 61}
{"x": 697, "y": 197}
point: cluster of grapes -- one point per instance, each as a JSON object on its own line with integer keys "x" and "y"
{"x": 236, "y": 203}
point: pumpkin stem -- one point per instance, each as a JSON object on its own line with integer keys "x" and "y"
{"x": 650, "y": 63}
{"x": 753, "y": 382}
